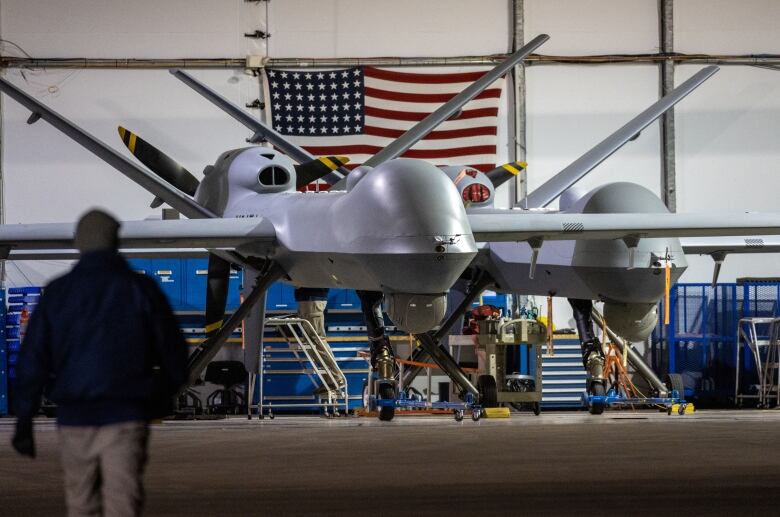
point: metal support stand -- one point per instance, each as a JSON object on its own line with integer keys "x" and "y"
{"x": 206, "y": 351}
{"x": 430, "y": 343}
{"x": 633, "y": 357}
{"x": 768, "y": 366}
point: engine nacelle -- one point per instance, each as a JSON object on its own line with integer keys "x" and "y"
{"x": 632, "y": 321}
{"x": 416, "y": 313}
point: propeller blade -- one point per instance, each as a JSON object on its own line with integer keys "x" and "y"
{"x": 216, "y": 293}
{"x": 502, "y": 174}
{"x": 159, "y": 162}
{"x": 315, "y": 169}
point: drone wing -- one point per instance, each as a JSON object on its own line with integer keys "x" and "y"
{"x": 42, "y": 241}
{"x": 515, "y": 225}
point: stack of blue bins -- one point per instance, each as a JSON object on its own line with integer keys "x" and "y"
{"x": 20, "y": 300}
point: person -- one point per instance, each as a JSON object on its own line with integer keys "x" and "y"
{"x": 104, "y": 345}
{"x": 311, "y": 306}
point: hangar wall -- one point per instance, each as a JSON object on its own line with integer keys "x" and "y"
{"x": 726, "y": 159}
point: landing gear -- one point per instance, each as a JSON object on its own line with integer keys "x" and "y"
{"x": 592, "y": 352}
{"x": 674, "y": 382}
{"x": 488, "y": 391}
{"x": 597, "y": 389}
{"x": 386, "y": 392}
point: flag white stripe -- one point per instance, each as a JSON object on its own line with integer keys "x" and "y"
{"x": 405, "y": 125}
{"x": 426, "y": 107}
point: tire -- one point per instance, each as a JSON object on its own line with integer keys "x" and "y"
{"x": 475, "y": 415}
{"x": 598, "y": 390}
{"x": 386, "y": 391}
{"x": 488, "y": 392}
{"x": 458, "y": 413}
{"x": 537, "y": 406}
{"x": 674, "y": 382}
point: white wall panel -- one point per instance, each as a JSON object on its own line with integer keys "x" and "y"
{"x": 728, "y": 151}
{"x": 727, "y": 27}
{"x": 594, "y": 26}
{"x": 132, "y": 29}
{"x": 368, "y": 28}
{"x": 572, "y": 108}
{"x": 728, "y": 157}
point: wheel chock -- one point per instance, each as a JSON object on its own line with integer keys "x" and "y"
{"x": 685, "y": 409}
{"x": 496, "y": 412}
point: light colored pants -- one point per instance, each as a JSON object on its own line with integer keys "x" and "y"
{"x": 103, "y": 468}
{"x": 314, "y": 311}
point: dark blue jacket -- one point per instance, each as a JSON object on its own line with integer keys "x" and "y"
{"x": 103, "y": 344}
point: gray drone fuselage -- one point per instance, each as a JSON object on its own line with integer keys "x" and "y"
{"x": 585, "y": 269}
{"x": 591, "y": 269}
{"x": 401, "y": 230}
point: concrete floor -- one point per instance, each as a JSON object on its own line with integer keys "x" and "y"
{"x": 621, "y": 463}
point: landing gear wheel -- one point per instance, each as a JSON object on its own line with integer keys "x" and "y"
{"x": 386, "y": 391}
{"x": 674, "y": 382}
{"x": 458, "y": 415}
{"x": 488, "y": 392}
{"x": 598, "y": 390}
{"x": 537, "y": 407}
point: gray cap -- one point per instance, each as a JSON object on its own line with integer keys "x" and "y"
{"x": 96, "y": 231}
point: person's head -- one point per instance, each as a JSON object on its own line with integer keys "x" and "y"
{"x": 96, "y": 231}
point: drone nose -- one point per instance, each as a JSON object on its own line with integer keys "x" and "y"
{"x": 414, "y": 197}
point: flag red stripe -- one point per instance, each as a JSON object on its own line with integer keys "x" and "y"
{"x": 434, "y": 135}
{"x": 492, "y": 93}
{"x": 407, "y": 77}
{"x": 416, "y": 117}
{"x": 424, "y": 154}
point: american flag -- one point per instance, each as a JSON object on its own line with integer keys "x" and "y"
{"x": 357, "y": 111}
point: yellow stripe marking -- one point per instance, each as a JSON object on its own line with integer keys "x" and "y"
{"x": 327, "y": 161}
{"x": 514, "y": 170}
{"x": 211, "y": 327}
{"x": 511, "y": 169}
{"x": 131, "y": 144}
{"x": 122, "y": 133}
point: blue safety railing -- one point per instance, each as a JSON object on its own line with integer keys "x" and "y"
{"x": 700, "y": 342}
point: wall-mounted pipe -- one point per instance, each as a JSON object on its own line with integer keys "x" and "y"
{"x": 767, "y": 60}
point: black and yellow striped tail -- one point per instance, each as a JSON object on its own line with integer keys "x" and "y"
{"x": 504, "y": 173}
{"x": 316, "y": 169}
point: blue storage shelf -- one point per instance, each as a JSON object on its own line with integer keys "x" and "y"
{"x": 4, "y": 347}
{"x": 19, "y": 299}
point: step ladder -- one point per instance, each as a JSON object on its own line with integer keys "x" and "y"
{"x": 328, "y": 380}
{"x": 762, "y": 337}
